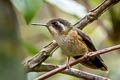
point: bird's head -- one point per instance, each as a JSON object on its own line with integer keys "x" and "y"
{"x": 57, "y": 26}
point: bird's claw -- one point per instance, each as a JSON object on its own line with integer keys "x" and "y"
{"x": 87, "y": 56}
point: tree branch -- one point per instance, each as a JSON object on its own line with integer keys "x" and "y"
{"x": 87, "y": 56}
{"x": 95, "y": 13}
{"x": 42, "y": 55}
{"x": 73, "y": 72}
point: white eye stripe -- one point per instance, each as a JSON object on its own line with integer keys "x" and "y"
{"x": 63, "y": 27}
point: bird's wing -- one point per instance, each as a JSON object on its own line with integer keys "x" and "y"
{"x": 97, "y": 60}
{"x": 86, "y": 40}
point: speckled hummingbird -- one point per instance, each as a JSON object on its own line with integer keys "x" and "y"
{"x": 73, "y": 42}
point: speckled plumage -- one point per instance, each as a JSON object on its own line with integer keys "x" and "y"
{"x": 71, "y": 44}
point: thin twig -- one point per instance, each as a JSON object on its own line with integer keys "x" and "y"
{"x": 73, "y": 72}
{"x": 95, "y": 13}
{"x": 87, "y": 56}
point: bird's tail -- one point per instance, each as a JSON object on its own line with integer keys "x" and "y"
{"x": 94, "y": 63}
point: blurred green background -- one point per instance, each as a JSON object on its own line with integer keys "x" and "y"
{"x": 104, "y": 32}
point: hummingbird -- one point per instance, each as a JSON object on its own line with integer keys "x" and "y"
{"x": 73, "y": 42}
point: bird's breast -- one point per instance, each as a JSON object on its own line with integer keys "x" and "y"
{"x": 72, "y": 44}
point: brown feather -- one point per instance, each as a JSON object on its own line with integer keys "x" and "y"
{"x": 95, "y": 62}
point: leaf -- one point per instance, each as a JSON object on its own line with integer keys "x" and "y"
{"x": 70, "y": 6}
{"x": 28, "y": 8}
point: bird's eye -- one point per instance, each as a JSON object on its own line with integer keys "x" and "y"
{"x": 57, "y": 26}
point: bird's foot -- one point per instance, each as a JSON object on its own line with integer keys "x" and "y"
{"x": 87, "y": 56}
{"x": 67, "y": 63}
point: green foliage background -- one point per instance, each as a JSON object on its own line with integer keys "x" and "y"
{"x": 104, "y": 32}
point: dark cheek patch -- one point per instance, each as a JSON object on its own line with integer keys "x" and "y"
{"x": 56, "y": 26}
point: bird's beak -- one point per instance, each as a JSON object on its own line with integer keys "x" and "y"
{"x": 37, "y": 24}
